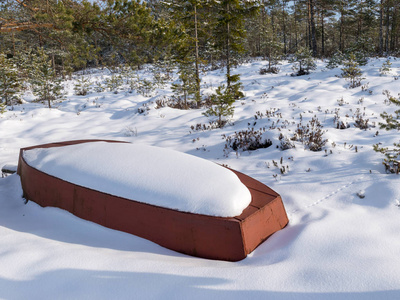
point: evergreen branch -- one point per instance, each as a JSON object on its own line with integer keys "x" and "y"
{"x": 23, "y": 26}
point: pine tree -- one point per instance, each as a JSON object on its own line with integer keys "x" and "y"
{"x": 222, "y": 105}
{"x": 336, "y": 60}
{"x": 392, "y": 160}
{"x": 45, "y": 84}
{"x": 3, "y": 108}
{"x": 270, "y": 45}
{"x": 114, "y": 82}
{"x": 190, "y": 15}
{"x": 391, "y": 122}
{"x": 311, "y": 20}
{"x": 392, "y": 157}
{"x": 361, "y": 48}
{"x": 230, "y": 32}
{"x": 194, "y": 22}
{"x": 352, "y": 72}
{"x": 10, "y": 85}
{"x": 326, "y": 10}
{"x": 386, "y": 67}
{"x": 163, "y": 71}
{"x": 186, "y": 85}
{"x": 131, "y": 33}
{"x": 345, "y": 8}
{"x": 303, "y": 62}
{"x": 82, "y": 86}
{"x": 365, "y": 15}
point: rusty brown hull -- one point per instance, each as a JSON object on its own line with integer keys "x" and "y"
{"x": 230, "y": 239}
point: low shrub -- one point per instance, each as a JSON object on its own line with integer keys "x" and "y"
{"x": 247, "y": 140}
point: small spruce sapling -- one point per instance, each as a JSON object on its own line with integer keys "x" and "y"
{"x": 386, "y": 67}
{"x": 145, "y": 87}
{"x": 235, "y": 86}
{"x": 3, "y": 108}
{"x": 222, "y": 101}
{"x": 336, "y": 60}
{"x": 45, "y": 84}
{"x": 303, "y": 62}
{"x": 9, "y": 82}
{"x": 185, "y": 87}
{"x": 392, "y": 160}
{"x": 114, "y": 83}
{"x": 129, "y": 76}
{"x": 99, "y": 87}
{"x": 162, "y": 72}
{"x": 270, "y": 46}
{"x": 82, "y": 86}
{"x": 392, "y": 122}
{"x": 352, "y": 72}
{"x": 222, "y": 105}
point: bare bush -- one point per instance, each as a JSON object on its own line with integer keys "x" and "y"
{"x": 342, "y": 125}
{"x": 247, "y": 140}
{"x": 271, "y": 70}
{"x": 311, "y": 135}
{"x": 285, "y": 143}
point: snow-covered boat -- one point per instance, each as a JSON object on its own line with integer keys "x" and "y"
{"x": 176, "y": 200}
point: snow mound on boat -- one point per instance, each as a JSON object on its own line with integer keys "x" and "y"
{"x": 146, "y": 174}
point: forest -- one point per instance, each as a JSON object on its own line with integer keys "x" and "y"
{"x": 77, "y": 34}
{"x": 54, "y": 38}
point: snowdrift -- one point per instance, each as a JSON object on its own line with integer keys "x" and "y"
{"x": 207, "y": 232}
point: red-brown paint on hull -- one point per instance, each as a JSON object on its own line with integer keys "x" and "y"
{"x": 230, "y": 239}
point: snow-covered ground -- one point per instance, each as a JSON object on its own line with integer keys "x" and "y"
{"x": 342, "y": 241}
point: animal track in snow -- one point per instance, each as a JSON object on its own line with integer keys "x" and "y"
{"x": 330, "y": 195}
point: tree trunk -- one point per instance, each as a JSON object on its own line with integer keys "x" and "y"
{"x": 184, "y": 95}
{"x": 62, "y": 67}
{"x": 6, "y": 99}
{"x": 13, "y": 43}
{"x": 395, "y": 34}
{"x": 309, "y": 25}
{"x": 313, "y": 31}
{"x": 341, "y": 21}
{"x": 53, "y": 62}
{"x": 381, "y": 29}
{"x": 263, "y": 29}
{"x": 284, "y": 28}
{"x": 269, "y": 57}
{"x": 197, "y": 73}
{"x": 387, "y": 27}
{"x": 228, "y": 57}
{"x": 322, "y": 34}
{"x": 273, "y": 23}
{"x": 295, "y": 26}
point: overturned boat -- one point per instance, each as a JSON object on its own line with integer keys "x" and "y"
{"x": 176, "y": 200}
